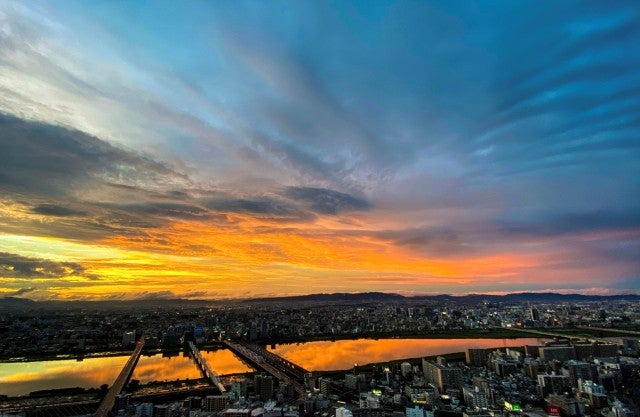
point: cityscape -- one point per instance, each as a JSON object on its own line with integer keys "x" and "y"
{"x": 368, "y": 354}
{"x": 299, "y": 208}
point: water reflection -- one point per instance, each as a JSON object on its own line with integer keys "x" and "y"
{"x": 342, "y": 354}
{"x": 224, "y": 362}
{"x": 165, "y": 367}
{"x": 21, "y": 378}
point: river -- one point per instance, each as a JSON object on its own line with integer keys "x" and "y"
{"x": 343, "y": 354}
{"x": 21, "y": 378}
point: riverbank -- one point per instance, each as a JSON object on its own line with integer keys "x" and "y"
{"x": 494, "y": 333}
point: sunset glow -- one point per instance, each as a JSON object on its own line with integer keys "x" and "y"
{"x": 216, "y": 151}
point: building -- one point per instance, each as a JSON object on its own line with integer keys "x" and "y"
{"x": 161, "y": 410}
{"x": 324, "y": 385}
{"x": 263, "y": 385}
{"x": 557, "y": 353}
{"x": 405, "y": 369}
{"x": 415, "y": 411}
{"x": 343, "y": 412}
{"x": 442, "y": 376}
{"x": 534, "y": 314}
{"x": 237, "y": 412}
{"x": 215, "y": 403}
{"x": 570, "y": 406}
{"x": 552, "y": 384}
{"x": 369, "y": 400}
{"x": 476, "y": 357}
{"x": 368, "y": 412}
{"x": 579, "y": 371}
{"x": 238, "y": 390}
{"x": 129, "y": 338}
{"x": 475, "y": 398}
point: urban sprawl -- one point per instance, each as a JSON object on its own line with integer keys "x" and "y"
{"x": 587, "y": 364}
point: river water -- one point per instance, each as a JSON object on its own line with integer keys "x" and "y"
{"x": 21, "y": 378}
{"x": 343, "y": 354}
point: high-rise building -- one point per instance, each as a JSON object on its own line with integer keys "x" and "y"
{"x": 442, "y": 376}
{"x": 263, "y": 385}
{"x": 557, "y": 353}
{"x": 476, "y": 357}
{"x": 324, "y": 384}
{"x": 552, "y": 384}
{"x": 129, "y": 338}
{"x": 405, "y": 369}
{"x": 215, "y": 403}
{"x": 569, "y": 405}
{"x": 579, "y": 371}
{"x": 534, "y": 314}
{"x": 475, "y": 398}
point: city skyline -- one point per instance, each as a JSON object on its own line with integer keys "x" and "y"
{"x": 245, "y": 149}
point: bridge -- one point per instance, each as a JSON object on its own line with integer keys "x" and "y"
{"x": 611, "y": 330}
{"x": 108, "y": 402}
{"x": 559, "y": 335}
{"x": 271, "y": 363}
{"x": 207, "y": 372}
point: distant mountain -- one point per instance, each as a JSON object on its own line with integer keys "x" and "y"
{"x": 466, "y": 299}
{"x": 333, "y": 297}
{"x": 543, "y": 297}
{"x": 14, "y": 303}
{"x": 548, "y": 297}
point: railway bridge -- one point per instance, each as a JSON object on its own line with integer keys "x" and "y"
{"x": 271, "y": 363}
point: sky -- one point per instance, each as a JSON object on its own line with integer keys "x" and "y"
{"x": 207, "y": 150}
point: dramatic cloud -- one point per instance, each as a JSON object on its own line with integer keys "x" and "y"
{"x": 55, "y": 210}
{"x": 16, "y": 266}
{"x": 46, "y": 160}
{"x": 411, "y": 147}
{"x": 264, "y": 207}
{"x": 326, "y": 201}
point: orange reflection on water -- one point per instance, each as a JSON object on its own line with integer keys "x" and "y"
{"x": 342, "y": 354}
{"x": 165, "y": 368}
{"x": 223, "y": 362}
{"x": 21, "y": 378}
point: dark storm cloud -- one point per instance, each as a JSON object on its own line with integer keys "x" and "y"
{"x": 325, "y": 201}
{"x": 56, "y": 210}
{"x": 17, "y": 266}
{"x": 46, "y": 160}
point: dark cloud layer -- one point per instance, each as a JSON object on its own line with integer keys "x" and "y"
{"x": 325, "y": 201}
{"x": 45, "y": 160}
{"x": 558, "y": 224}
{"x": 17, "y": 266}
{"x": 56, "y": 210}
{"x": 91, "y": 189}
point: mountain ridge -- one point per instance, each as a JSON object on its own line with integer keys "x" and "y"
{"x": 9, "y": 303}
